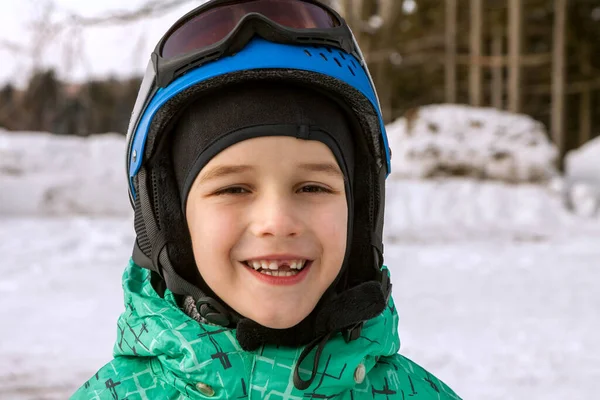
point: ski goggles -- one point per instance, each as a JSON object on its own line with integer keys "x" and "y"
{"x": 223, "y": 27}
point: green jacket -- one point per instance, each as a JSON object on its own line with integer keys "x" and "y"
{"x": 161, "y": 353}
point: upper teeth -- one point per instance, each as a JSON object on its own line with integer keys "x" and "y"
{"x": 275, "y": 264}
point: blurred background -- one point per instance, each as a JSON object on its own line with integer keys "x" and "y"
{"x": 493, "y": 205}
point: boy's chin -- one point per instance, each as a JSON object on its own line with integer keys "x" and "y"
{"x": 279, "y": 320}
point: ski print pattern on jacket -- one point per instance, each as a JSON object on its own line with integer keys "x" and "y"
{"x": 161, "y": 353}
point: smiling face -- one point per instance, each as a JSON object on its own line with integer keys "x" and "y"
{"x": 268, "y": 220}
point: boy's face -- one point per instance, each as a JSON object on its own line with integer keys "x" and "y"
{"x": 268, "y": 220}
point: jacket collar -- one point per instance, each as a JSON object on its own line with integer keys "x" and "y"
{"x": 191, "y": 352}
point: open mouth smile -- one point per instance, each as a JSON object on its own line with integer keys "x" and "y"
{"x": 279, "y": 272}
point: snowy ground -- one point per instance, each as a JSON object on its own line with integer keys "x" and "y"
{"x": 504, "y": 320}
{"x": 497, "y": 285}
{"x": 60, "y": 296}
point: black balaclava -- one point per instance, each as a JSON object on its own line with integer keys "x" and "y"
{"x": 238, "y": 112}
{"x": 213, "y": 123}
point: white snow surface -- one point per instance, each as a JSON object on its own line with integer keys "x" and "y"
{"x": 43, "y": 174}
{"x": 583, "y": 164}
{"x": 451, "y": 139}
{"x": 583, "y": 179}
{"x": 496, "y": 284}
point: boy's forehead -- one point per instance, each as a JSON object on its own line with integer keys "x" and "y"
{"x": 223, "y": 170}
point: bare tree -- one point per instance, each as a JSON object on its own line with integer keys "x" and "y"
{"x": 475, "y": 45}
{"x": 559, "y": 74}
{"x": 374, "y": 23}
{"x": 150, "y": 9}
{"x": 451, "y": 51}
{"x": 515, "y": 30}
{"x": 49, "y": 22}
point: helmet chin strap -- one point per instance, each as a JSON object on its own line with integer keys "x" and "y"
{"x": 210, "y": 309}
{"x": 159, "y": 261}
{"x": 209, "y": 306}
{"x": 343, "y": 313}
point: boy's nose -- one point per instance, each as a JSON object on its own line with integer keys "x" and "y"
{"x": 276, "y": 216}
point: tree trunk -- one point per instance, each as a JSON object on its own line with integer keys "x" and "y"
{"x": 450, "y": 66}
{"x": 558, "y": 75}
{"x": 585, "y": 104}
{"x": 391, "y": 12}
{"x": 497, "y": 78}
{"x": 357, "y": 13}
{"x": 475, "y": 46}
{"x": 515, "y": 22}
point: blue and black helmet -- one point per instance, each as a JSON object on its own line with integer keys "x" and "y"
{"x": 258, "y": 49}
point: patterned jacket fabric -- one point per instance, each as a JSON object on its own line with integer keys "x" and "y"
{"x": 161, "y": 353}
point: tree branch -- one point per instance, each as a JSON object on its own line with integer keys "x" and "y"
{"x": 151, "y": 8}
{"x": 13, "y": 47}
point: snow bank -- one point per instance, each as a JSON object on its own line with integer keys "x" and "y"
{"x": 457, "y": 140}
{"x": 44, "y": 174}
{"x": 583, "y": 164}
{"x": 465, "y": 209}
{"x": 582, "y": 180}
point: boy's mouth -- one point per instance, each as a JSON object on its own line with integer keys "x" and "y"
{"x": 280, "y": 268}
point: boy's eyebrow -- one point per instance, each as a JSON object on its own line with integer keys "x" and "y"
{"x": 330, "y": 169}
{"x": 224, "y": 170}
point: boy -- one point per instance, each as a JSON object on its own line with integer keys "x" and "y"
{"x": 257, "y": 163}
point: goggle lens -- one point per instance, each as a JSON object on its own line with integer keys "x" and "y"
{"x": 214, "y": 24}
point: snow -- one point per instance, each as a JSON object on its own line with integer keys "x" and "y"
{"x": 582, "y": 181}
{"x": 503, "y": 319}
{"x": 450, "y": 139}
{"x": 495, "y": 282}
{"x": 409, "y": 6}
{"x": 583, "y": 164}
{"x": 375, "y": 23}
{"x": 60, "y": 296}
{"x": 60, "y": 175}
{"x": 456, "y": 208}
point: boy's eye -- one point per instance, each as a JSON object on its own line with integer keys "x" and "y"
{"x": 239, "y": 190}
{"x": 314, "y": 189}
{"x": 232, "y": 190}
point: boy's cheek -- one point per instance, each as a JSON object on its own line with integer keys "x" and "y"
{"x": 213, "y": 227}
{"x": 334, "y": 220}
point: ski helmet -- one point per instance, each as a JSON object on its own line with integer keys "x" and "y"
{"x": 268, "y": 43}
